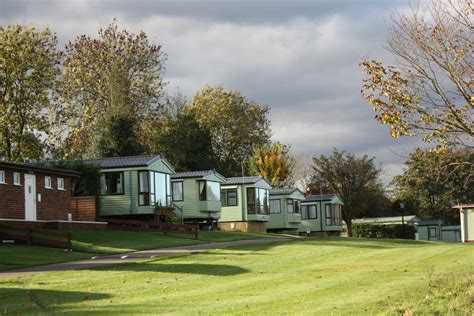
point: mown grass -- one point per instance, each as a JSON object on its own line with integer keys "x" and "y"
{"x": 300, "y": 277}
{"x": 117, "y": 241}
{"x": 92, "y": 243}
{"x": 22, "y": 256}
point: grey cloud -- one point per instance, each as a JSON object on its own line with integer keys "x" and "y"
{"x": 299, "y": 57}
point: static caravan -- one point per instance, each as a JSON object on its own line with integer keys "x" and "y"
{"x": 466, "y": 212}
{"x": 135, "y": 185}
{"x": 197, "y": 195}
{"x": 285, "y": 206}
{"x": 321, "y": 215}
{"x": 451, "y": 233}
{"x": 245, "y": 204}
{"x": 430, "y": 230}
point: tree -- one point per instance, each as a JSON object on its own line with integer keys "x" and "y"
{"x": 429, "y": 92}
{"x": 354, "y": 179}
{"x": 29, "y": 67}
{"x": 435, "y": 180}
{"x": 185, "y": 143}
{"x": 301, "y": 173}
{"x": 236, "y": 125}
{"x": 110, "y": 84}
{"x": 272, "y": 162}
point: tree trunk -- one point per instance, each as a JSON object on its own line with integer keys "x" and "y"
{"x": 349, "y": 227}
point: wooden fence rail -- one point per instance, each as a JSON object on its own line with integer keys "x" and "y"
{"x": 165, "y": 228}
{"x": 34, "y": 236}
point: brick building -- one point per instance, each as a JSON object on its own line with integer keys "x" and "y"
{"x": 35, "y": 193}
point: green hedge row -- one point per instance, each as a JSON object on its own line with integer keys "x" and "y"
{"x": 383, "y": 231}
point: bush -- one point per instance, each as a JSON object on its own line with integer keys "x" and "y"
{"x": 383, "y": 231}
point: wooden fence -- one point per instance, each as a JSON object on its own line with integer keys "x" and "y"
{"x": 83, "y": 208}
{"x": 35, "y": 236}
{"x": 165, "y": 228}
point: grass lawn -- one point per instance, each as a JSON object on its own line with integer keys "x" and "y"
{"x": 116, "y": 241}
{"x": 304, "y": 277}
{"x": 21, "y": 256}
{"x": 91, "y": 243}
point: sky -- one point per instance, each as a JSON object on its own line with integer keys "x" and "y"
{"x": 298, "y": 57}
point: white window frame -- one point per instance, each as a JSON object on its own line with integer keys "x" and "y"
{"x": 16, "y": 176}
{"x": 60, "y": 187}
{"x": 430, "y": 229}
{"x": 2, "y": 177}
{"x": 50, "y": 186}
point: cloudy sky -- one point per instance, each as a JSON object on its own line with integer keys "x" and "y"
{"x": 299, "y": 57}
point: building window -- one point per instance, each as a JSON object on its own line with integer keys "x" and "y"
{"x": 275, "y": 206}
{"x": 177, "y": 189}
{"x": 328, "y": 215}
{"x": 16, "y": 178}
{"x": 60, "y": 182}
{"x": 312, "y": 213}
{"x": 143, "y": 188}
{"x": 160, "y": 188}
{"x": 290, "y": 206}
{"x": 47, "y": 182}
{"x": 250, "y": 200}
{"x": 2, "y": 176}
{"x": 433, "y": 232}
{"x": 297, "y": 206}
{"x": 229, "y": 197}
{"x": 111, "y": 183}
{"x": 257, "y": 201}
{"x": 304, "y": 211}
{"x": 209, "y": 191}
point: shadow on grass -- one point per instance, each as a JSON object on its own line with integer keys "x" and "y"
{"x": 15, "y": 300}
{"x": 181, "y": 268}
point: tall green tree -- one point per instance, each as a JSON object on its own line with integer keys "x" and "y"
{"x": 435, "y": 180}
{"x": 355, "y": 179}
{"x": 429, "y": 91}
{"x": 29, "y": 67}
{"x": 112, "y": 84}
{"x": 273, "y": 162}
{"x": 185, "y": 143}
{"x": 235, "y": 123}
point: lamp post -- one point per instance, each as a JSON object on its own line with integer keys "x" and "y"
{"x": 402, "y": 207}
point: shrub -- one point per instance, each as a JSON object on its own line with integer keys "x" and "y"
{"x": 383, "y": 231}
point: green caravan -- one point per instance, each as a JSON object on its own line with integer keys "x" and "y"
{"x": 321, "y": 215}
{"x": 133, "y": 185}
{"x": 285, "y": 210}
{"x": 245, "y": 204}
{"x": 196, "y": 195}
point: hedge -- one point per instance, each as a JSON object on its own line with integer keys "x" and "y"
{"x": 383, "y": 231}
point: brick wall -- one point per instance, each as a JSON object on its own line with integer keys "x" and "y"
{"x": 54, "y": 205}
{"x": 12, "y": 197}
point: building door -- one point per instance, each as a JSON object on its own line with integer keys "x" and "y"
{"x": 30, "y": 197}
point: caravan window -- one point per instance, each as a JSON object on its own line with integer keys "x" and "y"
{"x": 111, "y": 183}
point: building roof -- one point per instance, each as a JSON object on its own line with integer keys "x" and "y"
{"x": 284, "y": 191}
{"x": 452, "y": 227}
{"x": 245, "y": 180}
{"x": 430, "y": 222}
{"x": 320, "y": 197}
{"x": 37, "y": 167}
{"x": 121, "y": 162}
{"x": 388, "y": 219}
{"x": 197, "y": 174}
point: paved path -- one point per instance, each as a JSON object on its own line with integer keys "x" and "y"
{"x": 95, "y": 262}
